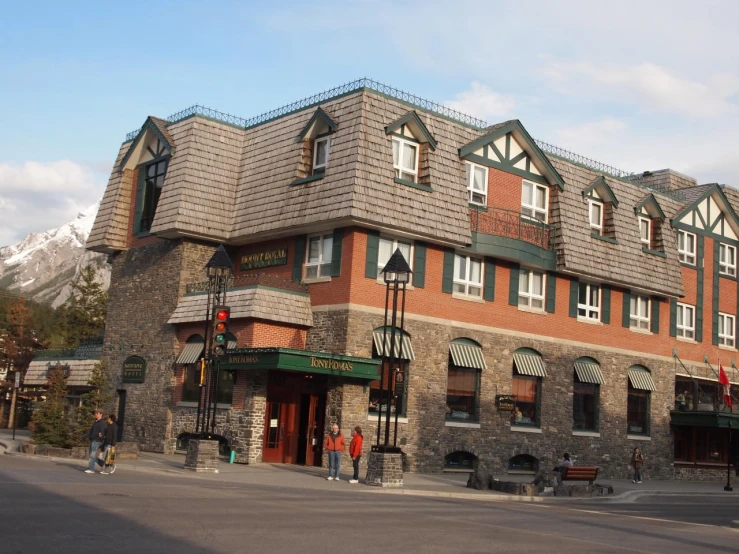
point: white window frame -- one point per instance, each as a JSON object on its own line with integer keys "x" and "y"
{"x": 466, "y": 283}
{"x": 535, "y": 209}
{"x": 724, "y": 267}
{"x": 683, "y": 330}
{"x": 587, "y": 307}
{"x": 322, "y": 167}
{"x": 648, "y": 240}
{"x": 395, "y": 241}
{"x": 686, "y": 256}
{"x": 599, "y": 225}
{"x": 527, "y": 299}
{"x": 726, "y": 328}
{"x": 321, "y": 257}
{"x": 638, "y": 320}
{"x": 471, "y": 179}
{"x": 399, "y": 169}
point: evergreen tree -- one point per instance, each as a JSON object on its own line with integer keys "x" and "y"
{"x": 50, "y": 420}
{"x": 99, "y": 397}
{"x": 84, "y": 314}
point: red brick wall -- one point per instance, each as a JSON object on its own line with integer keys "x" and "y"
{"x": 504, "y": 190}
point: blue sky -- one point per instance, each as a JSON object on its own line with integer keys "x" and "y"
{"x": 638, "y": 85}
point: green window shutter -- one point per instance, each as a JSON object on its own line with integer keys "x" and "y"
{"x": 338, "y": 244}
{"x": 654, "y": 323}
{"x": 699, "y": 294}
{"x": 489, "y": 290}
{"x": 605, "y": 312}
{"x": 551, "y": 300}
{"x": 419, "y": 265}
{"x": 299, "y": 257}
{"x": 513, "y": 285}
{"x": 715, "y": 306}
{"x": 626, "y": 312}
{"x": 447, "y": 278}
{"x": 373, "y": 251}
{"x": 673, "y": 317}
{"x": 574, "y": 292}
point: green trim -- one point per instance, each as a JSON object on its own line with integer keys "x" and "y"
{"x": 419, "y": 264}
{"x": 139, "y": 206}
{"x": 507, "y": 168}
{"x": 700, "y": 255}
{"x": 373, "y": 252}
{"x": 299, "y": 258}
{"x": 447, "y": 278}
{"x": 626, "y": 309}
{"x": 604, "y": 239}
{"x": 654, "y": 322}
{"x": 651, "y": 201}
{"x": 673, "y": 317}
{"x": 716, "y": 289}
{"x": 608, "y": 195}
{"x": 310, "y": 179}
{"x": 336, "y": 250}
{"x": 489, "y": 286}
{"x": 720, "y": 420}
{"x": 717, "y": 189}
{"x": 411, "y": 184}
{"x": 412, "y": 116}
{"x": 705, "y": 233}
{"x": 574, "y": 294}
{"x": 151, "y": 126}
{"x": 605, "y": 312}
{"x": 515, "y": 274}
{"x": 514, "y": 250}
{"x": 323, "y": 116}
{"x": 551, "y": 299}
{"x": 478, "y": 207}
{"x": 653, "y": 252}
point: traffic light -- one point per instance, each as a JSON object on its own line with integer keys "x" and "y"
{"x": 220, "y": 330}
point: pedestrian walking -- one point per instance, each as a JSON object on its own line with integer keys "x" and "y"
{"x": 95, "y": 435}
{"x": 637, "y": 461}
{"x": 335, "y": 445}
{"x": 355, "y": 451}
{"x": 110, "y": 437}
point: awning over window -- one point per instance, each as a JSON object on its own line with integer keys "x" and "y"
{"x": 403, "y": 346}
{"x": 192, "y": 351}
{"x": 641, "y": 379}
{"x": 589, "y": 372}
{"x": 529, "y": 364}
{"x": 232, "y": 342}
{"x": 467, "y": 355}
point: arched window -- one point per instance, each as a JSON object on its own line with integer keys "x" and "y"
{"x": 466, "y": 361}
{"x": 460, "y": 460}
{"x": 398, "y": 376}
{"x": 640, "y": 388}
{"x": 528, "y": 371}
{"x": 586, "y": 394}
{"x": 523, "y": 463}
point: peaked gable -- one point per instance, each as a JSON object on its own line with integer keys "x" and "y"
{"x": 710, "y": 214}
{"x": 509, "y": 147}
{"x": 153, "y": 141}
{"x": 605, "y": 192}
{"x": 650, "y": 207}
{"x": 317, "y": 125}
{"x": 412, "y": 123}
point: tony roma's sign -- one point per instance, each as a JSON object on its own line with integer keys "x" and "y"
{"x": 504, "y": 402}
{"x": 134, "y": 369}
{"x": 325, "y": 363}
{"x": 264, "y": 259}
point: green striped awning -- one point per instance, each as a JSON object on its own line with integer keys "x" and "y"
{"x": 405, "y": 349}
{"x": 467, "y": 355}
{"x": 529, "y": 364}
{"x": 641, "y": 379}
{"x": 232, "y": 342}
{"x": 192, "y": 352}
{"x": 589, "y": 372}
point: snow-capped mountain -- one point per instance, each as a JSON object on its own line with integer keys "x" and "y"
{"x": 43, "y": 265}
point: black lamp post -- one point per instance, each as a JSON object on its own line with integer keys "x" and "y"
{"x": 396, "y": 275}
{"x": 219, "y": 270}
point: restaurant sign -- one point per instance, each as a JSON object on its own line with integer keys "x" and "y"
{"x": 504, "y": 402}
{"x": 134, "y": 369}
{"x": 268, "y": 258}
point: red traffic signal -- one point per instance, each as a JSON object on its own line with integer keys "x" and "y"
{"x": 220, "y": 330}
{"x": 222, "y": 314}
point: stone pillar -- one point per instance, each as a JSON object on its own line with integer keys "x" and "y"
{"x": 385, "y": 469}
{"x": 202, "y": 456}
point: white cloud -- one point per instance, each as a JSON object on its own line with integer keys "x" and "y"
{"x": 480, "y": 101}
{"x": 36, "y": 196}
{"x": 587, "y": 134}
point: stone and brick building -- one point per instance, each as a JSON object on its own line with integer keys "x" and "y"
{"x": 556, "y": 303}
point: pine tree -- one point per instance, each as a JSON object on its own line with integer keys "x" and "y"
{"x": 50, "y": 420}
{"x": 84, "y": 315}
{"x": 99, "y": 397}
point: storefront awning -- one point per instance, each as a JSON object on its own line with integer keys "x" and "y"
{"x": 467, "y": 355}
{"x": 191, "y": 353}
{"x": 589, "y": 373}
{"x": 529, "y": 364}
{"x": 404, "y": 352}
{"x": 641, "y": 379}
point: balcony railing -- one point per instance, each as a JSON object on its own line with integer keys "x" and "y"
{"x": 253, "y": 279}
{"x": 511, "y": 224}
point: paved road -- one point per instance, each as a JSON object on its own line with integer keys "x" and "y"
{"x": 55, "y": 507}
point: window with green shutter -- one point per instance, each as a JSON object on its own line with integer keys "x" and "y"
{"x": 489, "y": 289}
{"x": 447, "y": 278}
{"x": 299, "y": 257}
{"x": 373, "y": 247}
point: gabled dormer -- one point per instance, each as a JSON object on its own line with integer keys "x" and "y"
{"x": 412, "y": 143}
{"x": 650, "y": 219}
{"x": 152, "y": 143}
{"x": 601, "y": 202}
{"x": 315, "y": 139}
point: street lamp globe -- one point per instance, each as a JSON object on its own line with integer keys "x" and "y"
{"x": 396, "y": 270}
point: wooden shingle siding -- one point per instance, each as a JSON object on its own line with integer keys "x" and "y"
{"x": 110, "y": 231}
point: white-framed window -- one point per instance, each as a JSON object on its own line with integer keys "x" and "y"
{"x": 726, "y": 328}
{"x": 477, "y": 183}
{"x": 727, "y": 259}
{"x": 531, "y": 288}
{"x": 321, "y": 148}
{"x": 639, "y": 312}
{"x": 685, "y": 321}
{"x": 535, "y": 201}
{"x": 318, "y": 256}
{"x": 467, "y": 275}
{"x": 645, "y": 231}
{"x": 686, "y": 247}
{"x": 387, "y": 248}
{"x": 595, "y": 215}
{"x": 588, "y": 301}
{"x": 405, "y": 159}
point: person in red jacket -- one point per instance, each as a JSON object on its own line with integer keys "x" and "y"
{"x": 335, "y": 445}
{"x": 355, "y": 451}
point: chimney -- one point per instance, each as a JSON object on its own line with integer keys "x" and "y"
{"x": 663, "y": 180}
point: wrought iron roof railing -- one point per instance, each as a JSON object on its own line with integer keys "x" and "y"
{"x": 582, "y": 160}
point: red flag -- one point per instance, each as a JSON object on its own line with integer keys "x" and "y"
{"x": 723, "y": 380}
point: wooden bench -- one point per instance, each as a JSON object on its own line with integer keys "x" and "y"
{"x": 579, "y": 473}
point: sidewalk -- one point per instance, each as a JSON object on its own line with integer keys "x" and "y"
{"x": 7, "y": 442}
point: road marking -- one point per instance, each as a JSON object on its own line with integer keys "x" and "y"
{"x": 663, "y": 520}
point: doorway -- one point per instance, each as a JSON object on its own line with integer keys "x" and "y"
{"x": 295, "y": 415}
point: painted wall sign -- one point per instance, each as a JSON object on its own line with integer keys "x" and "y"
{"x": 134, "y": 369}
{"x": 336, "y": 365}
{"x": 243, "y": 359}
{"x": 264, "y": 259}
{"x": 504, "y": 402}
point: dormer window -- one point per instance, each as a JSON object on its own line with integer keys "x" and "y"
{"x": 601, "y": 203}
{"x": 595, "y": 211}
{"x": 412, "y": 146}
{"x": 315, "y": 141}
{"x": 727, "y": 259}
{"x": 686, "y": 247}
{"x": 477, "y": 184}
{"x": 534, "y": 200}
{"x": 650, "y": 217}
{"x": 405, "y": 159}
{"x": 645, "y": 231}
{"x": 321, "y": 148}
{"x": 152, "y": 189}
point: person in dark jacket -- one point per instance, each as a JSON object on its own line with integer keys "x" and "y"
{"x": 95, "y": 436}
{"x": 109, "y": 440}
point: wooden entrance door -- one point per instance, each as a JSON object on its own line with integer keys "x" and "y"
{"x": 279, "y": 435}
{"x": 314, "y": 425}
